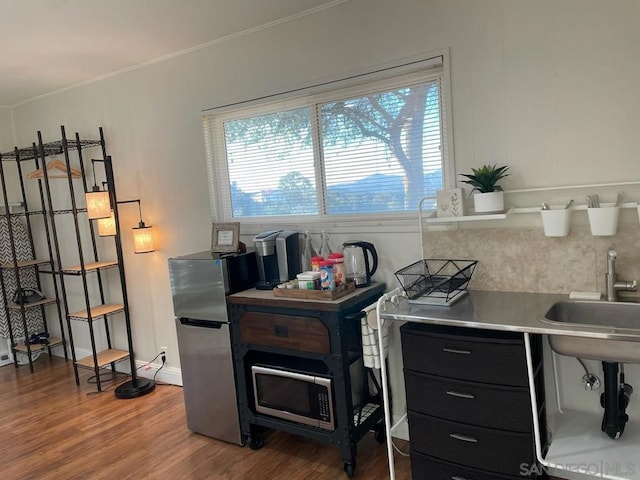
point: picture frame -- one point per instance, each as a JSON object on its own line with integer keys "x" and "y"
{"x": 449, "y": 203}
{"x": 225, "y": 237}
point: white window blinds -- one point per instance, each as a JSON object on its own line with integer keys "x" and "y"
{"x": 370, "y": 149}
{"x": 382, "y": 151}
{"x": 270, "y": 164}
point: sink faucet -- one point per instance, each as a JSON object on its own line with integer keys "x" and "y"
{"x": 613, "y": 286}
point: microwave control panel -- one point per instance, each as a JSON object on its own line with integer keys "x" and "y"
{"x": 323, "y": 403}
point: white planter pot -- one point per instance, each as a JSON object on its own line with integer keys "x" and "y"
{"x": 492, "y": 202}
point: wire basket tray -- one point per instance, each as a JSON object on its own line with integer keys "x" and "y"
{"x": 436, "y": 281}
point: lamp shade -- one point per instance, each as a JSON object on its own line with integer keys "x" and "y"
{"x": 107, "y": 226}
{"x": 98, "y": 205}
{"x": 143, "y": 239}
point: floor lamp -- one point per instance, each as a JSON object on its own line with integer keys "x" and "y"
{"x": 136, "y": 387}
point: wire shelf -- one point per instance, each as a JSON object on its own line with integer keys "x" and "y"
{"x": 436, "y": 281}
{"x": 51, "y": 148}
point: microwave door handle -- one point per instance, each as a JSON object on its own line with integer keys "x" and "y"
{"x": 196, "y": 322}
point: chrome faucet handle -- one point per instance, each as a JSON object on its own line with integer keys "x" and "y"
{"x": 623, "y": 287}
{"x": 612, "y": 253}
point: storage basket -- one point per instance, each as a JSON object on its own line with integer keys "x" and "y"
{"x": 437, "y": 281}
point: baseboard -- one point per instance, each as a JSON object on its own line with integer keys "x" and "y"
{"x": 401, "y": 430}
{"x": 170, "y": 375}
{"x": 5, "y": 358}
{"x": 5, "y": 352}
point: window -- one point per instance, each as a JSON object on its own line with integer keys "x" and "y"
{"x": 371, "y": 149}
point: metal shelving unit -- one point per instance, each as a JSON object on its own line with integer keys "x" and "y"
{"x": 84, "y": 274}
{"x": 89, "y": 266}
{"x": 23, "y": 272}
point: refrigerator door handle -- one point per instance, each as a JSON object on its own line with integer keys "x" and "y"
{"x": 196, "y": 322}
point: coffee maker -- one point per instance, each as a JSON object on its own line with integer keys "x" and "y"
{"x": 278, "y": 255}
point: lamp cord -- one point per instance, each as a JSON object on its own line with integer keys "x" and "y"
{"x": 140, "y": 214}
{"x": 93, "y": 169}
{"x": 117, "y": 381}
{"x": 161, "y": 367}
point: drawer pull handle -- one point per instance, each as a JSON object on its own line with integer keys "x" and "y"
{"x": 456, "y": 350}
{"x": 281, "y": 331}
{"x": 463, "y": 438}
{"x": 458, "y": 477}
{"x": 453, "y": 393}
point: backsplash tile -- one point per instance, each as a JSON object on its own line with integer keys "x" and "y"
{"x": 524, "y": 260}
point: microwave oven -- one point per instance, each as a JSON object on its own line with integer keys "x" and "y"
{"x": 300, "y": 396}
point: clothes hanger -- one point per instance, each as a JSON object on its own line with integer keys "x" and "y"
{"x": 58, "y": 166}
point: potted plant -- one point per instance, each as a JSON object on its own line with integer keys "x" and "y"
{"x": 489, "y": 198}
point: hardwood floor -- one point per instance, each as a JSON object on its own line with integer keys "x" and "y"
{"x": 51, "y": 429}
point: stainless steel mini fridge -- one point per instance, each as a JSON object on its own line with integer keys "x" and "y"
{"x": 199, "y": 284}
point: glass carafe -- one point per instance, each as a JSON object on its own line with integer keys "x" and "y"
{"x": 325, "y": 250}
{"x": 308, "y": 252}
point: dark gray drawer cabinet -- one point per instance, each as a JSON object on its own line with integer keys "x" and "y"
{"x": 481, "y": 404}
{"x": 479, "y": 447}
{"x": 468, "y": 402}
{"x": 423, "y": 466}
{"x": 499, "y": 358}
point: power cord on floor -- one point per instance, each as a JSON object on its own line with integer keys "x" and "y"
{"x": 112, "y": 373}
{"x": 125, "y": 376}
{"x": 397, "y": 449}
{"x": 114, "y": 382}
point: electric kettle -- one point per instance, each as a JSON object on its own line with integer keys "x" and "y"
{"x": 356, "y": 262}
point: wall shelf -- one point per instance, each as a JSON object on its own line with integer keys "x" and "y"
{"x": 429, "y": 216}
{"x": 433, "y": 219}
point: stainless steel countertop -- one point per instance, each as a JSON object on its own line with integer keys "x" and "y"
{"x": 507, "y": 311}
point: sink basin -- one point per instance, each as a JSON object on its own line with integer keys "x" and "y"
{"x": 609, "y": 317}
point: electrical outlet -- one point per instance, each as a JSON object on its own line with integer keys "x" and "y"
{"x": 164, "y": 349}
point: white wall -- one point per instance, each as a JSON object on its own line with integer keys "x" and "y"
{"x": 548, "y": 87}
{"x": 6, "y": 144}
{"x": 6, "y": 130}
